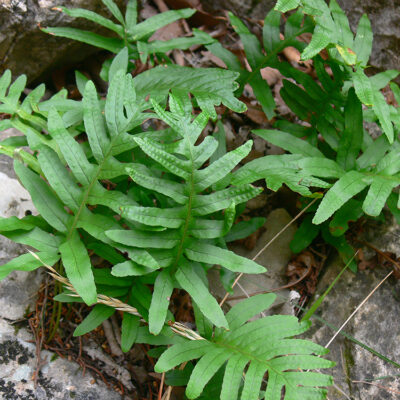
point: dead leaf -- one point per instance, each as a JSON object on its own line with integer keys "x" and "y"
{"x": 213, "y": 58}
{"x": 271, "y": 75}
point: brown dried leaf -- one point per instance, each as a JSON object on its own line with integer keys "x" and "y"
{"x": 271, "y": 75}
{"x": 213, "y": 58}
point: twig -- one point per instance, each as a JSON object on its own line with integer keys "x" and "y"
{"x": 168, "y": 392}
{"x": 269, "y": 244}
{"x": 39, "y": 362}
{"x": 395, "y": 263}
{"x": 246, "y": 295}
{"x": 109, "y": 334}
{"x": 381, "y": 253}
{"x": 278, "y": 289}
{"x": 116, "y": 328}
{"x": 357, "y": 309}
{"x": 379, "y": 386}
{"x": 161, "y": 386}
{"x": 341, "y": 391}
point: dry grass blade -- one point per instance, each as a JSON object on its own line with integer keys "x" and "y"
{"x": 357, "y": 309}
{"x": 379, "y": 386}
{"x": 176, "y": 327}
{"x": 395, "y": 263}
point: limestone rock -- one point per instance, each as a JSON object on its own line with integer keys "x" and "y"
{"x": 59, "y": 379}
{"x": 375, "y": 325}
{"x": 25, "y": 49}
{"x": 384, "y": 235}
{"x": 384, "y": 16}
{"x": 18, "y": 290}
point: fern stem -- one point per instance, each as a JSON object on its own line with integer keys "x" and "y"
{"x": 185, "y": 227}
{"x": 89, "y": 188}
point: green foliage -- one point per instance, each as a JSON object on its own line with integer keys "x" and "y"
{"x": 245, "y": 345}
{"x": 131, "y": 34}
{"x": 265, "y": 55}
{"x": 163, "y": 222}
{"x": 351, "y": 53}
{"x": 159, "y": 207}
{"x": 331, "y": 150}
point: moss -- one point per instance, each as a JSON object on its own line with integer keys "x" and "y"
{"x": 348, "y": 363}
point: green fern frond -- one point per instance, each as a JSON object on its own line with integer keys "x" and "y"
{"x": 250, "y": 350}
{"x": 130, "y": 33}
{"x": 191, "y": 224}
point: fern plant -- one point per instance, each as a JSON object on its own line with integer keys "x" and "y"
{"x": 359, "y": 173}
{"x": 263, "y": 345}
{"x": 156, "y": 207}
{"x": 131, "y": 34}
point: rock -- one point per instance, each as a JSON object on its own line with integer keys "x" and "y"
{"x": 384, "y": 235}
{"x": 109, "y": 365}
{"x": 375, "y": 325}
{"x": 18, "y": 290}
{"x": 384, "y": 16}
{"x": 25, "y": 49}
{"x": 15, "y": 200}
{"x": 242, "y": 7}
{"x": 59, "y": 379}
{"x": 257, "y": 202}
{"x": 275, "y": 258}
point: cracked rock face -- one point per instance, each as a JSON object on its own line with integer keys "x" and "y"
{"x": 375, "y": 325}
{"x": 58, "y": 379}
{"x": 26, "y": 50}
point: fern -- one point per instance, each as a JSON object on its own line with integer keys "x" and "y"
{"x": 186, "y": 232}
{"x": 264, "y": 55}
{"x": 263, "y": 345}
{"x": 131, "y": 34}
{"x": 158, "y": 207}
{"x": 165, "y": 230}
{"x": 332, "y": 31}
{"x": 338, "y": 155}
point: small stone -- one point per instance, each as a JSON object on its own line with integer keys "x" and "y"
{"x": 275, "y": 258}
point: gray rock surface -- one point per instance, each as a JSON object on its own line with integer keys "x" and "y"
{"x": 26, "y": 50}
{"x": 59, "y": 379}
{"x": 385, "y": 236}
{"x": 375, "y": 325}
{"x": 384, "y": 16}
{"x": 18, "y": 290}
